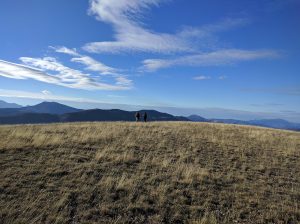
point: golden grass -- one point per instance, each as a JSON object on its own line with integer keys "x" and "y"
{"x": 161, "y": 172}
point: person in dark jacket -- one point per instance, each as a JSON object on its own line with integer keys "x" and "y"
{"x": 137, "y": 116}
{"x": 145, "y": 117}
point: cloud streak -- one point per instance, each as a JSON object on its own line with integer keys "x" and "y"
{"x": 90, "y": 63}
{"x": 43, "y": 96}
{"x": 95, "y": 66}
{"x": 215, "y": 58}
{"x": 65, "y": 50}
{"x": 49, "y": 70}
{"x": 202, "y": 77}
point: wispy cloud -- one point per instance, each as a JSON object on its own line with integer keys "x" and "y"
{"x": 46, "y": 92}
{"x": 95, "y": 66}
{"x": 17, "y": 71}
{"x": 90, "y": 63}
{"x": 43, "y": 96}
{"x": 215, "y": 58}
{"x": 49, "y": 70}
{"x": 282, "y": 90}
{"x": 202, "y": 77}
{"x": 222, "y": 77}
{"x": 130, "y": 34}
{"x": 205, "y": 77}
{"x": 65, "y": 50}
{"x": 211, "y": 29}
{"x": 267, "y": 104}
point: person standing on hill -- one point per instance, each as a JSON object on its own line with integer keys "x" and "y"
{"x": 145, "y": 117}
{"x": 137, "y": 116}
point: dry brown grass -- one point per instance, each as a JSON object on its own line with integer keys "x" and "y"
{"x": 168, "y": 172}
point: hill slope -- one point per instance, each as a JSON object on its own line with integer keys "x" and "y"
{"x": 160, "y": 172}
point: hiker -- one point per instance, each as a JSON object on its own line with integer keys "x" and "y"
{"x": 145, "y": 117}
{"x": 137, "y": 116}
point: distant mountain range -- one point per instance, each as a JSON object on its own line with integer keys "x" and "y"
{"x": 42, "y": 108}
{"x": 117, "y": 115}
{"x": 52, "y": 112}
{"x": 4, "y": 104}
{"x": 269, "y": 123}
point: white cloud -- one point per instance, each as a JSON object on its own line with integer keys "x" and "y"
{"x": 123, "y": 81}
{"x": 116, "y": 96}
{"x": 202, "y": 77}
{"x": 222, "y": 77}
{"x": 65, "y": 50}
{"x": 17, "y": 71}
{"x": 49, "y": 70}
{"x": 131, "y": 35}
{"x": 90, "y": 63}
{"x": 210, "y": 29}
{"x": 93, "y": 65}
{"x": 96, "y": 66}
{"x": 215, "y": 58}
{"x": 46, "y": 92}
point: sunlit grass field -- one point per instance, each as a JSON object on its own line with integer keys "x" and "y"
{"x": 160, "y": 172}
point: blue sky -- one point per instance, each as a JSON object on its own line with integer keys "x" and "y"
{"x": 225, "y": 59}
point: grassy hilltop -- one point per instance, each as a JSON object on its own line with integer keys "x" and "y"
{"x": 164, "y": 172}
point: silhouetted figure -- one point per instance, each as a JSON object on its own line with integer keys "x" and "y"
{"x": 145, "y": 117}
{"x": 137, "y": 116}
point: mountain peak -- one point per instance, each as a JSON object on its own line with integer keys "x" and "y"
{"x": 50, "y": 108}
{"x": 49, "y": 103}
{"x": 195, "y": 117}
